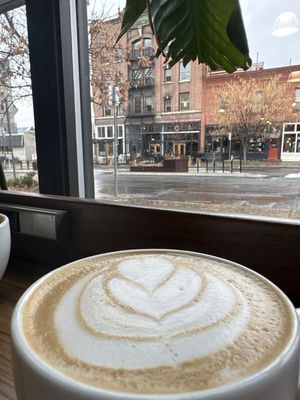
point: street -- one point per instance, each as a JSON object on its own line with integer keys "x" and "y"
{"x": 272, "y": 192}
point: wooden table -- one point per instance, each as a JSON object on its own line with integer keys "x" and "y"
{"x": 20, "y": 274}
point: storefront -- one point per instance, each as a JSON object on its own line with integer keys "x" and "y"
{"x": 151, "y": 142}
{"x": 290, "y": 147}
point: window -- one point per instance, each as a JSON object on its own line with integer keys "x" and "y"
{"x": 101, "y": 132}
{"x": 110, "y": 132}
{"x": 137, "y": 105}
{"x": 120, "y": 131}
{"x": 184, "y": 101}
{"x": 147, "y": 76}
{"x": 136, "y": 49}
{"x": 167, "y": 75}
{"x": 148, "y": 104}
{"x": 136, "y": 74}
{"x": 296, "y": 104}
{"x": 185, "y": 71}
{"x": 107, "y": 132}
{"x": 107, "y": 110}
{"x": 167, "y": 104}
{"x": 147, "y": 42}
{"x": 291, "y": 141}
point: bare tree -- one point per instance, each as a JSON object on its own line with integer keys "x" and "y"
{"x": 15, "y": 80}
{"x": 250, "y": 108}
{"x": 107, "y": 65}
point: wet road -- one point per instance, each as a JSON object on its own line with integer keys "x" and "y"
{"x": 273, "y": 193}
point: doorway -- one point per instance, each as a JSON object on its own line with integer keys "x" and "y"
{"x": 179, "y": 149}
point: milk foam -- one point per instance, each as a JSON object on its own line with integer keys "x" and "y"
{"x": 139, "y": 322}
{"x": 167, "y": 312}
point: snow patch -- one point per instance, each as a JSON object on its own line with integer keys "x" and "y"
{"x": 293, "y": 175}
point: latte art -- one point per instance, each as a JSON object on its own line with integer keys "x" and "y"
{"x": 156, "y": 322}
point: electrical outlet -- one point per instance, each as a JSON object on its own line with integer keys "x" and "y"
{"x": 39, "y": 222}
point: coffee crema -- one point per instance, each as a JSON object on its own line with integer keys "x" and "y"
{"x": 156, "y": 322}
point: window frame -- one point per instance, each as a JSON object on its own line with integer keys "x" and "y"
{"x": 50, "y": 104}
{"x": 61, "y": 96}
{"x": 166, "y": 76}
{"x": 184, "y": 101}
{"x": 184, "y": 72}
{"x": 169, "y": 99}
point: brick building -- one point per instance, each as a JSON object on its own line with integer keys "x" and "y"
{"x": 283, "y": 142}
{"x": 172, "y": 112}
{"x": 162, "y": 115}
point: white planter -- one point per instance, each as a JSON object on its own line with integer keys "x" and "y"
{"x": 4, "y": 243}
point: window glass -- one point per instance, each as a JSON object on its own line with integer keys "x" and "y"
{"x": 136, "y": 49}
{"x": 109, "y": 131}
{"x": 148, "y": 76}
{"x": 167, "y": 104}
{"x": 147, "y": 51}
{"x": 184, "y": 101}
{"x": 18, "y": 153}
{"x": 107, "y": 110}
{"x": 247, "y": 121}
{"x": 120, "y": 131}
{"x": 185, "y": 71}
{"x": 167, "y": 75}
{"x": 137, "y": 105}
{"x": 148, "y": 104}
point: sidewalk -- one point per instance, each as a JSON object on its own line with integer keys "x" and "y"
{"x": 251, "y": 169}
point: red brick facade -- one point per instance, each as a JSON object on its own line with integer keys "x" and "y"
{"x": 167, "y": 112}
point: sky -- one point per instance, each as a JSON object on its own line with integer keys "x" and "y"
{"x": 259, "y": 17}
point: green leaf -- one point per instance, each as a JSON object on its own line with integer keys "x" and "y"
{"x": 210, "y": 31}
{"x": 133, "y": 10}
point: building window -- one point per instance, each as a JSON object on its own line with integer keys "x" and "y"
{"x": 148, "y": 76}
{"x": 184, "y": 101}
{"x": 107, "y": 132}
{"x": 136, "y": 49}
{"x": 110, "y": 133}
{"x": 147, "y": 44}
{"x": 167, "y": 75}
{"x": 101, "y": 132}
{"x": 107, "y": 111}
{"x": 120, "y": 131}
{"x": 296, "y": 103}
{"x": 167, "y": 104}
{"x": 185, "y": 72}
{"x": 291, "y": 138}
{"x": 148, "y": 104}
{"x": 137, "y": 105}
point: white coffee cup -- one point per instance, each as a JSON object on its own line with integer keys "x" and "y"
{"x": 35, "y": 380}
{"x": 4, "y": 243}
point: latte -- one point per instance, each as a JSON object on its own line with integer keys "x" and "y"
{"x": 156, "y": 322}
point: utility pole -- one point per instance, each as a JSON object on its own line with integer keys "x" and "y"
{"x": 10, "y": 138}
{"x": 115, "y": 141}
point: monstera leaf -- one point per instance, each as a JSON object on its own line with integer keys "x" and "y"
{"x": 210, "y": 31}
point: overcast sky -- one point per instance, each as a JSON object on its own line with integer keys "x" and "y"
{"x": 259, "y": 17}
